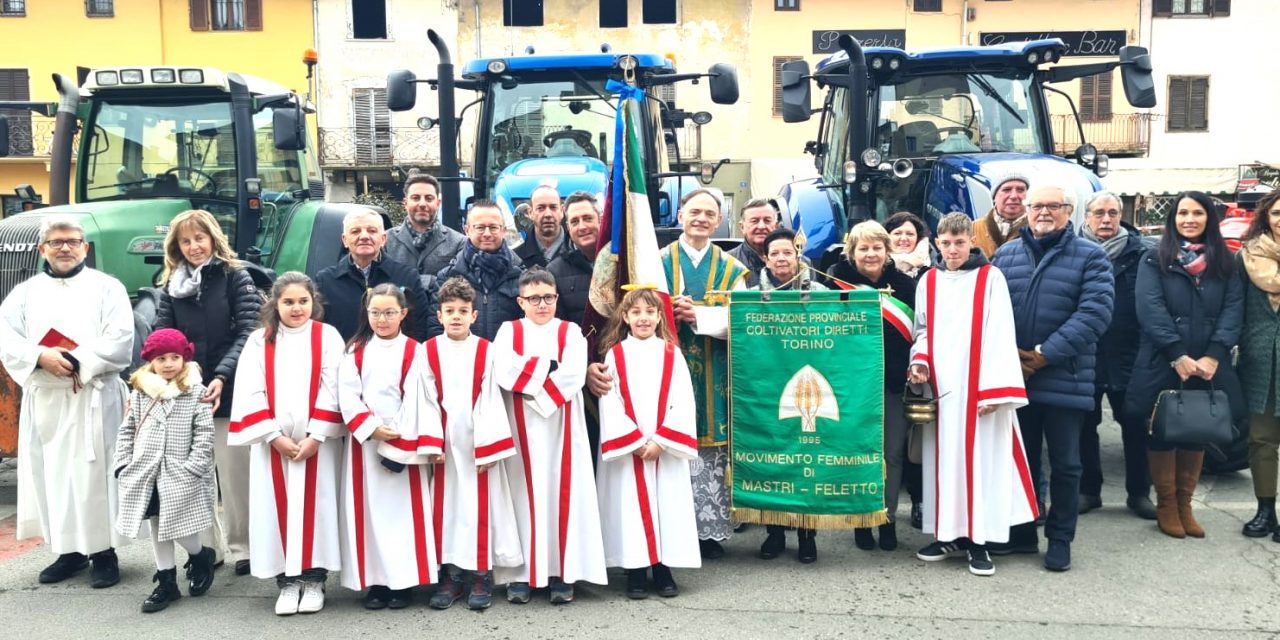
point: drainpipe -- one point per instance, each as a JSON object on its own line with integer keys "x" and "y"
{"x": 964, "y": 23}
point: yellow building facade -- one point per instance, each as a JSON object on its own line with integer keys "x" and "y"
{"x": 255, "y": 37}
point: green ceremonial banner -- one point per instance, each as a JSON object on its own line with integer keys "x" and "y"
{"x": 807, "y": 408}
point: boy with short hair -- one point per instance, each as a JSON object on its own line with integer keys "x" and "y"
{"x": 540, "y": 362}
{"x": 470, "y": 493}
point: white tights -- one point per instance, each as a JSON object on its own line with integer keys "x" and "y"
{"x": 163, "y": 549}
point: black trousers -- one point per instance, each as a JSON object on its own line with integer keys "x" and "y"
{"x": 1060, "y": 429}
{"x": 1133, "y": 433}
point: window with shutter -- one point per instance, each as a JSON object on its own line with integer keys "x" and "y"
{"x": 658, "y": 11}
{"x": 1190, "y": 7}
{"x": 369, "y": 19}
{"x": 522, "y": 13}
{"x": 1221, "y": 8}
{"x": 227, "y": 15}
{"x": 199, "y": 10}
{"x": 1188, "y": 103}
{"x": 13, "y": 8}
{"x": 99, "y": 8}
{"x": 786, "y": 5}
{"x": 15, "y": 84}
{"x": 372, "y": 126}
{"x": 253, "y": 15}
{"x": 613, "y": 14}
{"x": 1095, "y": 98}
{"x": 926, "y": 5}
{"x": 778, "y": 61}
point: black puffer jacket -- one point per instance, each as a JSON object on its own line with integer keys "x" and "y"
{"x": 1118, "y": 347}
{"x": 343, "y": 286}
{"x": 573, "y": 281}
{"x": 217, "y": 320}
{"x": 897, "y": 350}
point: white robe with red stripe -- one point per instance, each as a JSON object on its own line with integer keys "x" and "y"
{"x": 646, "y": 507}
{"x": 552, "y": 483}
{"x": 475, "y": 522}
{"x": 976, "y": 480}
{"x": 386, "y": 516}
{"x": 289, "y": 387}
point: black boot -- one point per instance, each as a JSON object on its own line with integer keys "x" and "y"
{"x": 637, "y": 583}
{"x": 775, "y": 543}
{"x": 889, "y": 536}
{"x": 808, "y": 552}
{"x": 200, "y": 571}
{"x": 166, "y": 591}
{"x": 1264, "y": 521}
{"x": 67, "y": 565}
{"x": 917, "y": 516}
{"x": 710, "y": 549}
{"x": 664, "y": 582}
{"x": 863, "y": 538}
{"x": 106, "y": 569}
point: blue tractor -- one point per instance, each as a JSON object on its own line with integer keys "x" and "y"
{"x": 929, "y": 131}
{"x": 549, "y": 119}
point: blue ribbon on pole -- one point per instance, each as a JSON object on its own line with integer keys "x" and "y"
{"x": 617, "y": 185}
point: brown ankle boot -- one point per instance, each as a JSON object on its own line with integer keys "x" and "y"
{"x": 1189, "y": 464}
{"x": 1163, "y": 465}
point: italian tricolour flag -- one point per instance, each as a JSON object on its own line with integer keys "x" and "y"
{"x": 894, "y": 311}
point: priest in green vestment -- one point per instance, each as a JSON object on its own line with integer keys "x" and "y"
{"x": 696, "y": 269}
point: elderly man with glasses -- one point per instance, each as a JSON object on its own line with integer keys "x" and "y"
{"x": 65, "y": 336}
{"x": 1117, "y": 351}
{"x": 490, "y": 266}
{"x": 1062, "y": 292}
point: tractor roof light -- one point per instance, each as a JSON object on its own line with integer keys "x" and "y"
{"x": 132, "y": 76}
{"x": 163, "y": 76}
{"x": 106, "y": 78}
{"x": 1102, "y": 165}
{"x": 1033, "y": 57}
{"x": 871, "y": 157}
{"x": 850, "y": 172}
{"x": 894, "y": 64}
{"x": 496, "y": 67}
{"x": 877, "y": 63}
{"x": 628, "y": 63}
{"x": 191, "y": 76}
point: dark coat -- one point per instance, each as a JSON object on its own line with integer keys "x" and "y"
{"x": 897, "y": 350}
{"x": 438, "y": 248}
{"x": 1119, "y": 345}
{"x": 343, "y": 286}
{"x": 573, "y": 281}
{"x": 529, "y": 253}
{"x": 1182, "y": 318}
{"x": 1259, "y": 346}
{"x": 495, "y": 306}
{"x": 753, "y": 261}
{"x": 1062, "y": 301}
{"x": 217, "y": 320}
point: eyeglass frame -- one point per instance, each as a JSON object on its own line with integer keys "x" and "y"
{"x": 1052, "y": 207}
{"x": 70, "y": 243}
{"x": 376, "y": 314}
{"x": 544, "y": 300}
{"x": 488, "y": 228}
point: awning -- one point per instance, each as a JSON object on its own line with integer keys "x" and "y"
{"x": 1160, "y": 182}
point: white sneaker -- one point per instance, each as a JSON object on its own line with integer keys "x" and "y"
{"x": 287, "y": 603}
{"x": 312, "y": 597}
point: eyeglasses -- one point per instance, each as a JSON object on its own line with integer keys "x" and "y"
{"x": 1104, "y": 214}
{"x": 384, "y": 315}
{"x": 487, "y": 228}
{"x": 1051, "y": 207}
{"x": 538, "y": 301}
{"x": 70, "y": 243}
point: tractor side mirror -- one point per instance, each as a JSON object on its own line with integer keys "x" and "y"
{"x": 289, "y": 128}
{"x": 402, "y": 90}
{"x": 723, "y": 83}
{"x": 4, "y": 136}
{"x": 796, "y": 98}
{"x": 1135, "y": 73}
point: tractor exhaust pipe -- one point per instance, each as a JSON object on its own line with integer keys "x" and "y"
{"x": 448, "y": 122}
{"x": 64, "y": 131}
{"x": 859, "y": 208}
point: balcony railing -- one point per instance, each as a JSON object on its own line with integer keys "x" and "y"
{"x": 29, "y": 135}
{"x": 1125, "y": 134}
{"x": 365, "y": 148}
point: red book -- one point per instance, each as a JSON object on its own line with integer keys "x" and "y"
{"x": 54, "y": 339}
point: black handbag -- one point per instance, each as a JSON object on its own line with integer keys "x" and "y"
{"x": 1196, "y": 416}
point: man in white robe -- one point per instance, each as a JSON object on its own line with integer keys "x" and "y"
{"x": 65, "y": 336}
{"x": 540, "y": 362}
{"x": 976, "y": 480}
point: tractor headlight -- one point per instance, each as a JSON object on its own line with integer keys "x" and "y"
{"x": 162, "y": 76}
{"x": 191, "y": 76}
{"x": 628, "y": 63}
{"x": 496, "y": 66}
{"x": 107, "y": 78}
{"x": 131, "y": 76}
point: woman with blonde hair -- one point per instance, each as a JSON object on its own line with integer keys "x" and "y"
{"x": 208, "y": 295}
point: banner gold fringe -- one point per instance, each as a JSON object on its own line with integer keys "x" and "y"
{"x": 811, "y": 520}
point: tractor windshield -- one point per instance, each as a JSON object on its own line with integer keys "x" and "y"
{"x": 958, "y": 113}
{"x": 552, "y": 116}
{"x": 152, "y": 150}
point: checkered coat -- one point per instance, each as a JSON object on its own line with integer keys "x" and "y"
{"x": 166, "y": 443}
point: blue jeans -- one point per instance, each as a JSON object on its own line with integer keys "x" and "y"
{"x": 1060, "y": 429}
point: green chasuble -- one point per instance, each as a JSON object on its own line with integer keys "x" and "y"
{"x": 707, "y": 357}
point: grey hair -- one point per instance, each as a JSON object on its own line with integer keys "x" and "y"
{"x": 1099, "y": 196}
{"x": 359, "y": 213}
{"x": 1068, "y": 195}
{"x": 955, "y": 223}
{"x": 59, "y": 223}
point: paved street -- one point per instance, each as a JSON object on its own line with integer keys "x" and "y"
{"x": 1128, "y": 581}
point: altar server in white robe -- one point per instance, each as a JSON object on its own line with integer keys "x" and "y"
{"x": 65, "y": 335}
{"x": 474, "y": 521}
{"x": 540, "y": 362}
{"x": 976, "y": 479}
{"x": 648, "y": 435}
{"x": 286, "y": 408}
{"x": 387, "y": 542}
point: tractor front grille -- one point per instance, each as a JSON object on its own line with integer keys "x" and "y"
{"x": 19, "y": 237}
